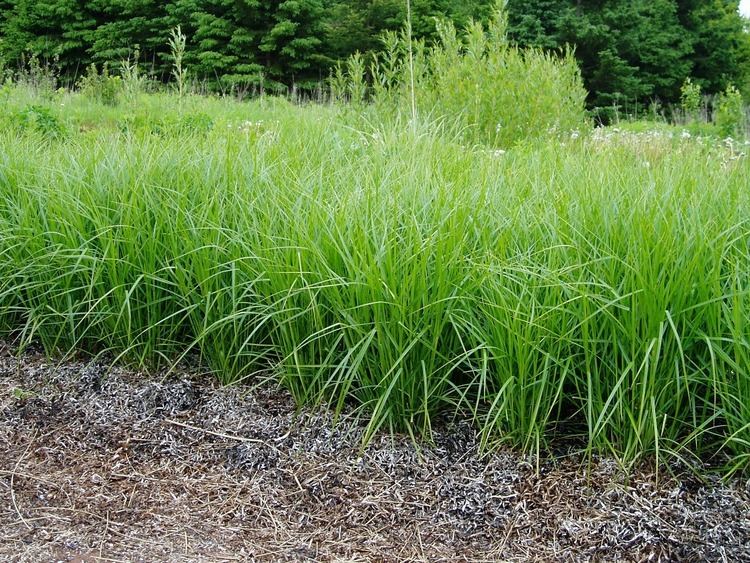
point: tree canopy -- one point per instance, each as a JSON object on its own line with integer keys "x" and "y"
{"x": 630, "y": 52}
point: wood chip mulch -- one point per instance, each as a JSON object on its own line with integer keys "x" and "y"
{"x": 100, "y": 464}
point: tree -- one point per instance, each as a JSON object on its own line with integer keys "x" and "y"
{"x": 129, "y": 26}
{"x": 721, "y": 45}
{"x": 59, "y": 30}
{"x": 629, "y": 52}
{"x": 289, "y": 38}
{"x": 219, "y": 48}
{"x": 536, "y": 22}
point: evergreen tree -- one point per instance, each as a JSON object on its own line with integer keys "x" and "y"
{"x": 290, "y": 39}
{"x": 629, "y": 52}
{"x": 721, "y": 45}
{"x": 129, "y": 26}
{"x": 53, "y": 30}
{"x": 220, "y": 48}
{"x": 537, "y": 22}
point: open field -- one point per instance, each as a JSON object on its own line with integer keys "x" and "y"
{"x": 591, "y": 289}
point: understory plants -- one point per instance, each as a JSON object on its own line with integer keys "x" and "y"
{"x": 473, "y": 84}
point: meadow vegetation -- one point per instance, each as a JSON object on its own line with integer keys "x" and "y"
{"x": 416, "y": 253}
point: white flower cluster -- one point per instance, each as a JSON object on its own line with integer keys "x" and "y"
{"x": 653, "y": 142}
{"x": 248, "y": 126}
{"x": 259, "y": 130}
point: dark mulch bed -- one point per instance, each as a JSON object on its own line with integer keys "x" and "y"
{"x": 110, "y": 465}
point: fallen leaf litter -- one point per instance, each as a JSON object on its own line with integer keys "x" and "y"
{"x": 100, "y": 464}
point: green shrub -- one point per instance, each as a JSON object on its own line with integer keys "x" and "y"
{"x": 690, "y": 99}
{"x": 476, "y": 83}
{"x": 40, "y": 77}
{"x": 40, "y": 119}
{"x": 730, "y": 112}
{"x": 133, "y": 81}
{"x": 196, "y": 123}
{"x": 501, "y": 93}
{"x": 101, "y": 87}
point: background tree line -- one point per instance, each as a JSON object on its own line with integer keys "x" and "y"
{"x": 631, "y": 52}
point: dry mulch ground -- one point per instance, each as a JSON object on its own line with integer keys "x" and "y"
{"x": 109, "y": 465}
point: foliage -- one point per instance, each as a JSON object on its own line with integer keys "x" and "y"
{"x": 60, "y": 30}
{"x": 593, "y": 289}
{"x": 41, "y": 77}
{"x": 690, "y": 98}
{"x": 721, "y": 45}
{"x": 126, "y": 27}
{"x": 730, "y": 113}
{"x": 501, "y": 93}
{"x": 40, "y": 119}
{"x": 475, "y": 84}
{"x": 101, "y": 87}
{"x": 134, "y": 82}
{"x": 629, "y": 53}
{"x": 633, "y": 52}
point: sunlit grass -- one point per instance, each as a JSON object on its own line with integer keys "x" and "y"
{"x": 597, "y": 289}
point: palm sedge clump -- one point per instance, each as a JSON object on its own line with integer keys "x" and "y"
{"x": 586, "y": 290}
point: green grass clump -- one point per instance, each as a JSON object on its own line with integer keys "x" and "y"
{"x": 595, "y": 289}
{"x": 475, "y": 84}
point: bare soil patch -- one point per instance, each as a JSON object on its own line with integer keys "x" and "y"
{"x": 100, "y": 464}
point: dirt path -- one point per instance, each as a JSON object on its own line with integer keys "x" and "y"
{"x": 111, "y": 466}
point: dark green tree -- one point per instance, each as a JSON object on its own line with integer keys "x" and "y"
{"x": 537, "y": 22}
{"x": 357, "y": 25}
{"x": 245, "y": 43}
{"x": 721, "y": 45}
{"x": 53, "y": 30}
{"x": 130, "y": 26}
{"x": 220, "y": 47}
{"x": 289, "y": 34}
{"x": 630, "y": 53}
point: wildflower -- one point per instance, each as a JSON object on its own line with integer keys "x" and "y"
{"x": 575, "y": 134}
{"x": 685, "y": 134}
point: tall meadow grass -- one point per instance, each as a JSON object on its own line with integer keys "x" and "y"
{"x": 593, "y": 289}
{"x": 474, "y": 84}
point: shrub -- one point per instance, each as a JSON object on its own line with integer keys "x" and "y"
{"x": 196, "y": 123}
{"x": 730, "y": 112}
{"x": 477, "y": 83}
{"x": 690, "y": 99}
{"x": 133, "y": 81}
{"x": 101, "y": 87}
{"x": 39, "y": 76}
{"x": 40, "y": 119}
